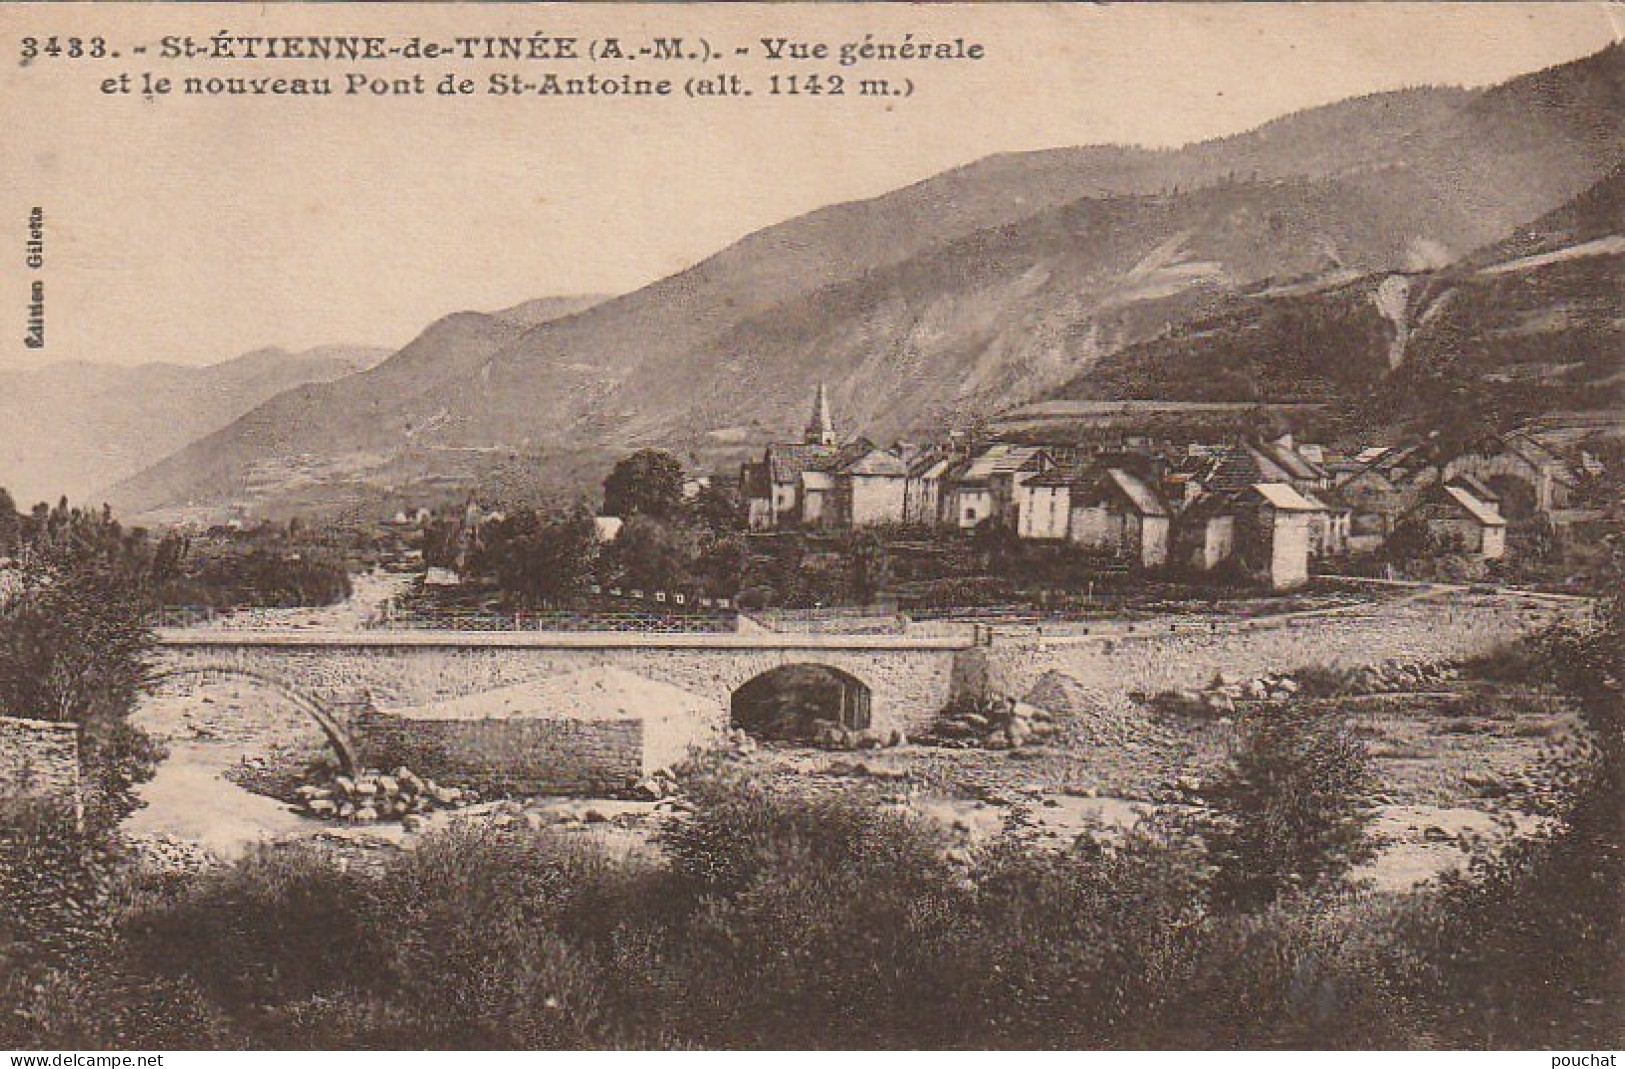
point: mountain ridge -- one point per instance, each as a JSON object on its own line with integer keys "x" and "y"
{"x": 983, "y": 286}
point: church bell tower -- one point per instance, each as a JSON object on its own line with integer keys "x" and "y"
{"x": 820, "y": 429}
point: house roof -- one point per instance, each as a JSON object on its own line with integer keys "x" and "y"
{"x": 1281, "y": 497}
{"x": 1476, "y": 486}
{"x": 1000, "y": 458}
{"x": 876, "y": 462}
{"x": 1126, "y": 488}
{"x": 930, "y": 467}
{"x": 1055, "y": 477}
{"x": 1289, "y": 460}
{"x": 1480, "y": 511}
{"x": 1326, "y": 500}
{"x": 1229, "y": 470}
{"x": 1531, "y": 449}
{"x": 1144, "y": 499}
{"x": 786, "y": 461}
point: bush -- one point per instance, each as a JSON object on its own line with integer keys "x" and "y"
{"x": 56, "y": 885}
{"x": 481, "y": 937}
{"x": 1289, "y": 811}
{"x": 1304, "y": 973}
{"x": 818, "y": 922}
{"x": 506, "y": 937}
{"x": 1069, "y": 949}
{"x": 283, "y": 924}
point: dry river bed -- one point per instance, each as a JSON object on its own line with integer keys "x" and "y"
{"x": 1445, "y": 770}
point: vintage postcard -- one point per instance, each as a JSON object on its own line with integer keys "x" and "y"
{"x": 785, "y": 526}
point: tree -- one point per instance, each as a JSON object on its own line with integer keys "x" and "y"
{"x": 719, "y": 506}
{"x": 10, "y": 524}
{"x": 74, "y": 648}
{"x": 722, "y": 564}
{"x": 1289, "y": 811}
{"x": 871, "y": 566}
{"x": 653, "y": 554}
{"x": 536, "y": 559}
{"x": 647, "y": 483}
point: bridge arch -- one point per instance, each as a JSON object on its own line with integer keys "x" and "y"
{"x": 785, "y": 701}
{"x": 338, "y": 736}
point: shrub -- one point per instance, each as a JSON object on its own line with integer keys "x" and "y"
{"x": 1307, "y": 972}
{"x": 818, "y": 922}
{"x": 1288, "y": 812}
{"x": 1075, "y": 948}
{"x": 506, "y": 937}
{"x": 282, "y": 924}
{"x": 56, "y": 885}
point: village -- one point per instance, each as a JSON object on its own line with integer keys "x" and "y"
{"x": 1271, "y": 506}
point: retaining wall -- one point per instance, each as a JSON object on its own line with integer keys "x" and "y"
{"x": 531, "y": 755}
{"x": 1154, "y": 661}
{"x": 40, "y": 759}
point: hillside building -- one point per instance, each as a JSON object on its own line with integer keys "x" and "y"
{"x": 1460, "y": 521}
{"x": 1121, "y": 514}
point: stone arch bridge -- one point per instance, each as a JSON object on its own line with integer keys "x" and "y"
{"x": 904, "y": 680}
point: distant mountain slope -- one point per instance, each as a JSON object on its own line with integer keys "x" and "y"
{"x": 544, "y": 309}
{"x": 76, "y": 428}
{"x": 988, "y": 285}
{"x": 1531, "y": 324}
{"x": 383, "y": 409}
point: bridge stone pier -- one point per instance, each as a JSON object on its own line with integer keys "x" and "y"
{"x": 906, "y": 679}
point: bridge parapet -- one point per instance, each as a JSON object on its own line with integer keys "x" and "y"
{"x": 910, "y": 677}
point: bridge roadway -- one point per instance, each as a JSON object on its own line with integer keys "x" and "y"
{"x": 906, "y": 679}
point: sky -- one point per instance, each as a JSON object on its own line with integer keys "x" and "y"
{"x": 191, "y": 230}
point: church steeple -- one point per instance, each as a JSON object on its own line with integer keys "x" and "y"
{"x": 821, "y": 429}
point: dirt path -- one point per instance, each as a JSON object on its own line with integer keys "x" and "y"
{"x": 370, "y": 592}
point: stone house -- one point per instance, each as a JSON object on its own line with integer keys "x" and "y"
{"x": 1204, "y": 534}
{"x": 1457, "y": 519}
{"x": 985, "y": 487}
{"x": 1121, "y": 513}
{"x": 1044, "y": 506}
{"x": 1264, "y": 526}
{"x": 1273, "y": 532}
{"x": 1518, "y": 458}
{"x": 790, "y": 486}
{"x": 922, "y": 489}
{"x": 966, "y": 502}
{"x": 1328, "y": 528}
{"x": 1281, "y": 462}
{"x": 871, "y": 487}
{"x": 1382, "y": 490}
{"x": 793, "y": 483}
